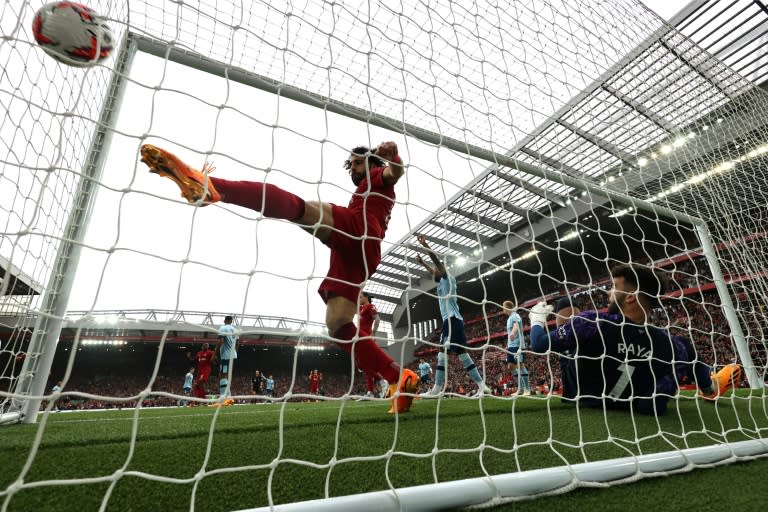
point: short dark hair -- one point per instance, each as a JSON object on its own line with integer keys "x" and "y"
{"x": 228, "y": 319}
{"x": 647, "y": 281}
{"x": 563, "y": 302}
{"x": 373, "y": 160}
{"x": 367, "y": 296}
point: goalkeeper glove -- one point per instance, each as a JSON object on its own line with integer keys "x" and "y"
{"x": 539, "y": 313}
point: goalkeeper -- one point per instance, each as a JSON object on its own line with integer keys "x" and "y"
{"x": 616, "y": 359}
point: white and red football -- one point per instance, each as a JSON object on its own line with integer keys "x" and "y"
{"x": 72, "y": 33}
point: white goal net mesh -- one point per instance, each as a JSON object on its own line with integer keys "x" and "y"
{"x": 545, "y": 143}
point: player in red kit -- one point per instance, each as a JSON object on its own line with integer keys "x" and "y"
{"x": 204, "y": 359}
{"x": 367, "y": 315}
{"x": 368, "y": 318}
{"x": 368, "y": 321}
{"x": 314, "y": 382}
{"x": 353, "y": 233}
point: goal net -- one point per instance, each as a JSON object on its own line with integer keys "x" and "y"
{"x": 50, "y": 135}
{"x": 545, "y": 143}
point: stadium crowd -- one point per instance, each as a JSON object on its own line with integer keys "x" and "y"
{"x": 694, "y": 312}
{"x": 697, "y": 316}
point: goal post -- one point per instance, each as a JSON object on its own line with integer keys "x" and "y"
{"x": 754, "y": 378}
{"x": 499, "y": 489}
{"x": 537, "y": 158}
{"x": 31, "y": 386}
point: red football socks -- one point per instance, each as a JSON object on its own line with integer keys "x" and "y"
{"x": 276, "y": 202}
{"x": 368, "y": 355}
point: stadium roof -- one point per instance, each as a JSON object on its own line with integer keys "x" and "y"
{"x": 734, "y": 32}
{"x": 15, "y": 282}
{"x": 667, "y": 92}
{"x": 172, "y": 326}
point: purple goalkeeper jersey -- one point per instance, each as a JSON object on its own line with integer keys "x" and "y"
{"x": 614, "y": 359}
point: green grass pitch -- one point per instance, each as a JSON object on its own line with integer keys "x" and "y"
{"x": 160, "y": 459}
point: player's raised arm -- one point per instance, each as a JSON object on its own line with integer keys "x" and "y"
{"x": 439, "y": 269}
{"x": 424, "y": 264}
{"x": 395, "y": 169}
{"x": 540, "y": 341}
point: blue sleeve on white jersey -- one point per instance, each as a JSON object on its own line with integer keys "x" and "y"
{"x": 519, "y": 341}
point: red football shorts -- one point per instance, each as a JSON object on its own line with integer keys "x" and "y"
{"x": 353, "y": 259}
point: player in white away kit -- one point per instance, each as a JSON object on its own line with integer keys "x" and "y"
{"x": 189, "y": 378}
{"x": 515, "y": 347}
{"x": 425, "y": 373}
{"x": 227, "y": 352}
{"x": 452, "y": 338}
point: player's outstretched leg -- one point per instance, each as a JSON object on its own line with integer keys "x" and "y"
{"x": 268, "y": 199}
{"x": 195, "y": 185}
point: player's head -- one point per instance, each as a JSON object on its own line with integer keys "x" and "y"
{"x": 564, "y": 309}
{"x": 636, "y": 289}
{"x": 509, "y": 307}
{"x": 356, "y": 163}
{"x": 228, "y": 319}
{"x": 205, "y": 346}
{"x": 191, "y": 369}
{"x": 366, "y": 298}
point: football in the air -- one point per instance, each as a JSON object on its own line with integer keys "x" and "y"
{"x": 72, "y": 33}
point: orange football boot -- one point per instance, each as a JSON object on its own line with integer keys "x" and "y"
{"x": 195, "y": 185}
{"x": 409, "y": 383}
{"x": 724, "y": 380}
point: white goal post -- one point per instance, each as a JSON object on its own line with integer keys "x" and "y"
{"x": 553, "y": 157}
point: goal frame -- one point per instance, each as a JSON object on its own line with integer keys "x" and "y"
{"x": 498, "y": 489}
{"x": 31, "y": 389}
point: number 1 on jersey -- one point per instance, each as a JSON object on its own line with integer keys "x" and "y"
{"x": 626, "y": 371}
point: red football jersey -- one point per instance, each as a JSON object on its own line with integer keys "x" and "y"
{"x": 204, "y": 359}
{"x": 376, "y": 204}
